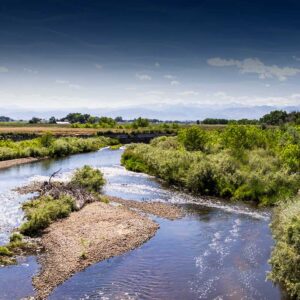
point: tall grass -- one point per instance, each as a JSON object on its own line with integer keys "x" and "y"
{"x": 47, "y": 145}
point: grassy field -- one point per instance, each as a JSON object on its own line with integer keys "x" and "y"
{"x": 67, "y": 130}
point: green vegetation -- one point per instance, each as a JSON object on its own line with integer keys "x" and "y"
{"x": 48, "y": 145}
{"x": 285, "y": 260}
{"x": 15, "y": 247}
{"x": 240, "y": 162}
{"x": 115, "y": 147}
{"x": 41, "y": 212}
{"x": 60, "y": 200}
{"x": 88, "y": 178}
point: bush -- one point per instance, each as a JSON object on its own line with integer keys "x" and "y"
{"x": 285, "y": 258}
{"x": 41, "y": 212}
{"x": 47, "y": 139}
{"x": 4, "y": 251}
{"x": 47, "y": 145}
{"x": 88, "y": 178}
{"x": 257, "y": 174}
{"x": 16, "y": 237}
{"x": 193, "y": 139}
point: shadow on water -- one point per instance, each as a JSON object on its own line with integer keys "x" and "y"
{"x": 216, "y": 251}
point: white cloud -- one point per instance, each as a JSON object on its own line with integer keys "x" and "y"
{"x": 157, "y": 64}
{"x": 98, "y": 66}
{"x": 174, "y": 82}
{"x": 61, "y": 81}
{"x": 295, "y": 96}
{"x": 69, "y": 84}
{"x": 255, "y": 66}
{"x": 131, "y": 88}
{"x": 3, "y": 69}
{"x": 31, "y": 71}
{"x": 296, "y": 58}
{"x": 189, "y": 93}
{"x": 143, "y": 76}
{"x": 169, "y": 76}
{"x": 74, "y": 86}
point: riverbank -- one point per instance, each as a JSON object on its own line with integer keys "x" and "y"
{"x": 18, "y": 161}
{"x": 97, "y": 232}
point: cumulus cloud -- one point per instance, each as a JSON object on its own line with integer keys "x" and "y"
{"x": 189, "y": 93}
{"x": 3, "y": 69}
{"x": 174, "y": 82}
{"x": 143, "y": 76}
{"x": 255, "y": 66}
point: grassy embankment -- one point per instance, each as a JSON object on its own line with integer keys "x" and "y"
{"x": 56, "y": 201}
{"x": 240, "y": 163}
{"x": 49, "y": 146}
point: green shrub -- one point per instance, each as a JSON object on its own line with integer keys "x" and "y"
{"x": 254, "y": 173}
{"x": 41, "y": 212}
{"x": 16, "y": 237}
{"x": 285, "y": 258}
{"x": 193, "y": 138}
{"x": 4, "y": 251}
{"x": 47, "y": 145}
{"x": 88, "y": 178}
{"x": 47, "y": 139}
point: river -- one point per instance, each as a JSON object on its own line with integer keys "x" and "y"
{"x": 217, "y": 251}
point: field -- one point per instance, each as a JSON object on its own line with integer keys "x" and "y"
{"x": 67, "y": 130}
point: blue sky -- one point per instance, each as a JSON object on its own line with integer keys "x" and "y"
{"x": 61, "y": 54}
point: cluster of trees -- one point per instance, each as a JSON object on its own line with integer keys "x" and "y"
{"x": 276, "y": 117}
{"x": 279, "y": 117}
{"x": 5, "y": 119}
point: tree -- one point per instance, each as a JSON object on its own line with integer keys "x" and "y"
{"x": 35, "y": 120}
{"x": 52, "y": 120}
{"x": 119, "y": 119}
{"x": 275, "y": 117}
{"x": 193, "y": 139}
{"x": 140, "y": 122}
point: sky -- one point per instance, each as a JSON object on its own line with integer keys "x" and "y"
{"x": 159, "y": 55}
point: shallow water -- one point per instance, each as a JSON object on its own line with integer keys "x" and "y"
{"x": 217, "y": 251}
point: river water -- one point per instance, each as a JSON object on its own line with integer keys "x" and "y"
{"x": 216, "y": 251}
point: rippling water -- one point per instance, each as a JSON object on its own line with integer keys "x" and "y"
{"x": 217, "y": 251}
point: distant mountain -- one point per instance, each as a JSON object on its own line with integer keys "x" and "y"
{"x": 162, "y": 112}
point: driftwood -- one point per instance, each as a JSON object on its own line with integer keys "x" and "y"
{"x": 53, "y": 175}
{"x": 57, "y": 189}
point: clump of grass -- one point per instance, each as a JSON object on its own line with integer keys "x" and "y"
{"x": 85, "y": 244}
{"x": 88, "y": 178}
{"x": 4, "y": 251}
{"x": 115, "y": 147}
{"x": 16, "y": 237}
{"x": 41, "y": 212}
